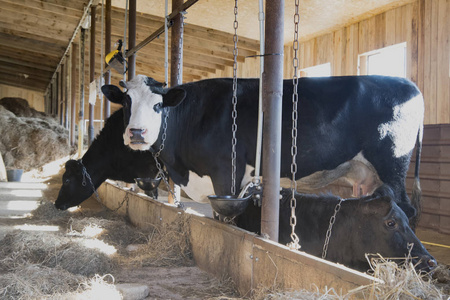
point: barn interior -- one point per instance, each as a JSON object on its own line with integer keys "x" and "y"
{"x": 52, "y": 50}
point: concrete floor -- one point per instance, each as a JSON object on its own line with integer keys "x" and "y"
{"x": 17, "y": 199}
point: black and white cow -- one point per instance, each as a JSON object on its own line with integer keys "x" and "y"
{"x": 372, "y": 224}
{"x": 373, "y": 119}
{"x": 106, "y": 158}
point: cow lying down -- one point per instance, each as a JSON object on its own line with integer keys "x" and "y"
{"x": 372, "y": 224}
{"x": 106, "y": 158}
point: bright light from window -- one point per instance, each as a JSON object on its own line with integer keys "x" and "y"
{"x": 323, "y": 70}
{"x": 389, "y": 61}
{"x": 26, "y": 193}
{"x": 27, "y": 227}
{"x": 22, "y": 205}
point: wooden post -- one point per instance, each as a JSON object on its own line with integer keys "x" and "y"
{"x": 132, "y": 39}
{"x": 272, "y": 107}
{"x": 81, "y": 112}
{"x": 73, "y": 81}
{"x": 107, "y": 106}
{"x": 176, "y": 61}
{"x": 92, "y": 74}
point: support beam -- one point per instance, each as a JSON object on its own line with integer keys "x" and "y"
{"x": 176, "y": 61}
{"x": 73, "y": 89}
{"x": 81, "y": 108}
{"x": 92, "y": 73}
{"x": 272, "y": 108}
{"x": 132, "y": 39}
{"x": 107, "y": 50}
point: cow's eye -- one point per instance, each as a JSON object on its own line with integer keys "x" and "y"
{"x": 157, "y": 107}
{"x": 67, "y": 181}
{"x": 391, "y": 224}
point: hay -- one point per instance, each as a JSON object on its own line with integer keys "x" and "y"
{"x": 31, "y": 142}
{"x": 52, "y": 250}
{"x": 33, "y": 281}
{"x": 167, "y": 246}
{"x": 398, "y": 281}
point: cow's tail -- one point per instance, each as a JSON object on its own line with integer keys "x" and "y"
{"x": 416, "y": 196}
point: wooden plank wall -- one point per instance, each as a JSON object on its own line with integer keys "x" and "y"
{"x": 35, "y": 99}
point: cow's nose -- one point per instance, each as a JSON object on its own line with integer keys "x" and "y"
{"x": 136, "y": 133}
{"x": 432, "y": 263}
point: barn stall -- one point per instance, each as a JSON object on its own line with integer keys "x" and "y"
{"x": 333, "y": 40}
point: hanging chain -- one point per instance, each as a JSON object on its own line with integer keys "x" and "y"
{"x": 293, "y": 203}
{"x": 330, "y": 227}
{"x": 158, "y": 164}
{"x": 85, "y": 174}
{"x": 234, "y": 103}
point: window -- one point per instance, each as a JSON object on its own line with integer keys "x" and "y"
{"x": 389, "y": 61}
{"x": 323, "y": 70}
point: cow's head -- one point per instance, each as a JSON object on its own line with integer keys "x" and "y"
{"x": 380, "y": 226}
{"x": 143, "y": 103}
{"x": 72, "y": 191}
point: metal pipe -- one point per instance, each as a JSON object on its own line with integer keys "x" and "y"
{"x": 166, "y": 43}
{"x": 272, "y": 107}
{"x": 132, "y": 39}
{"x": 260, "y": 110}
{"x": 92, "y": 73}
{"x": 107, "y": 50}
{"x": 176, "y": 61}
{"x": 61, "y": 95}
{"x": 81, "y": 111}
{"x": 125, "y": 40}
{"x": 66, "y": 93}
{"x": 74, "y": 58}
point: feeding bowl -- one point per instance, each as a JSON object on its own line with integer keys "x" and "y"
{"x": 148, "y": 184}
{"x": 229, "y": 206}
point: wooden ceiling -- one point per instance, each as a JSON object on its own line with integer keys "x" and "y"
{"x": 34, "y": 35}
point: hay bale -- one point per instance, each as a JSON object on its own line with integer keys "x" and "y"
{"x": 20, "y": 107}
{"x": 29, "y": 142}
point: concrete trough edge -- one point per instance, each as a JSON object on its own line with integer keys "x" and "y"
{"x": 227, "y": 251}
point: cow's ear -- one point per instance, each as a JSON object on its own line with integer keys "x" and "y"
{"x": 173, "y": 97}
{"x": 378, "y": 206}
{"x": 113, "y": 93}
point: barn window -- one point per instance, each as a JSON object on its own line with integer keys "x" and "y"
{"x": 323, "y": 70}
{"x": 389, "y": 61}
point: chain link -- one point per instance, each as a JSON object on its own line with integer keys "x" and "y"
{"x": 234, "y": 126}
{"x": 158, "y": 164}
{"x": 293, "y": 203}
{"x": 330, "y": 227}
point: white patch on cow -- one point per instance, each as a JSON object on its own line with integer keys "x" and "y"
{"x": 143, "y": 116}
{"x": 199, "y": 188}
{"x": 403, "y": 128}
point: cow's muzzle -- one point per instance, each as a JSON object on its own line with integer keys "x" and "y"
{"x": 425, "y": 264}
{"x": 137, "y": 136}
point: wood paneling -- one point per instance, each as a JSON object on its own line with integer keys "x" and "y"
{"x": 35, "y": 99}
{"x": 425, "y": 27}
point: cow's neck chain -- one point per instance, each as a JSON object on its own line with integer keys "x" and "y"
{"x": 330, "y": 227}
{"x": 85, "y": 174}
{"x": 158, "y": 165}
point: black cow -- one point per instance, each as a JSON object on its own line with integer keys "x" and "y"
{"x": 372, "y": 224}
{"x": 375, "y": 119}
{"x": 106, "y": 158}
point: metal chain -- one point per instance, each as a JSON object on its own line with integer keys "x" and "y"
{"x": 85, "y": 174}
{"x": 158, "y": 165}
{"x": 234, "y": 103}
{"x": 330, "y": 227}
{"x": 293, "y": 203}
